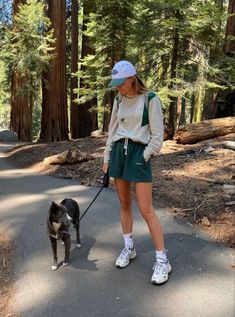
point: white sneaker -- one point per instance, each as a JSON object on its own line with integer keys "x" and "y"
{"x": 161, "y": 271}
{"x": 125, "y": 256}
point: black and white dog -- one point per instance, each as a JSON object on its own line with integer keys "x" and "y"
{"x": 60, "y": 216}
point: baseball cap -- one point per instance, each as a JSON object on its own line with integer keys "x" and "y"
{"x": 120, "y": 72}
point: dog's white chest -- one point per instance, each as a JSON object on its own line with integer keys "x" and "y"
{"x": 56, "y": 226}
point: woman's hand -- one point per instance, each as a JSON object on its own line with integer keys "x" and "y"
{"x": 105, "y": 167}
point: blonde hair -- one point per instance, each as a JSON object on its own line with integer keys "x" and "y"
{"x": 138, "y": 86}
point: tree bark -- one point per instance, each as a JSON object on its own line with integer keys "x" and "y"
{"x": 204, "y": 130}
{"x": 54, "y": 124}
{"x": 21, "y": 110}
{"x": 74, "y": 113}
{"x": 174, "y": 59}
{"x": 87, "y": 118}
{"x": 230, "y": 30}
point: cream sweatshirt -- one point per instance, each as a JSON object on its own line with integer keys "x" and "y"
{"x": 126, "y": 121}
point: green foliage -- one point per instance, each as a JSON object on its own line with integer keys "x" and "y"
{"x": 27, "y": 48}
{"x": 145, "y": 32}
{"x": 109, "y": 38}
{"x": 4, "y": 98}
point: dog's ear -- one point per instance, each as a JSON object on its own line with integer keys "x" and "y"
{"x": 54, "y": 207}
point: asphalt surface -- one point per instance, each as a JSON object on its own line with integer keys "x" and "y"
{"x": 201, "y": 283}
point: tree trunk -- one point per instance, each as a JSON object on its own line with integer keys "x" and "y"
{"x": 230, "y": 30}
{"x": 200, "y": 91}
{"x": 198, "y": 105}
{"x": 54, "y": 124}
{"x": 74, "y": 113}
{"x": 87, "y": 118}
{"x": 204, "y": 130}
{"x": 182, "y": 117}
{"x": 174, "y": 59}
{"x": 210, "y": 105}
{"x": 21, "y": 110}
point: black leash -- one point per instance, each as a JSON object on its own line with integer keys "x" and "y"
{"x": 91, "y": 203}
{"x": 105, "y": 185}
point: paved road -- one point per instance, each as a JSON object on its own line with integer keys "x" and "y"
{"x": 201, "y": 284}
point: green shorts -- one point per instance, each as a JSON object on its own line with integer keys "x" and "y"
{"x": 128, "y": 163}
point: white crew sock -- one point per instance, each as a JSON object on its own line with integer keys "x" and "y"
{"x": 128, "y": 240}
{"x": 161, "y": 256}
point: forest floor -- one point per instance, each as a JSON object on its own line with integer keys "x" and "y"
{"x": 195, "y": 182}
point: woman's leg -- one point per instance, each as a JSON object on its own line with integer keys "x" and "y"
{"x": 144, "y": 198}
{"x": 162, "y": 267}
{"x": 124, "y": 193}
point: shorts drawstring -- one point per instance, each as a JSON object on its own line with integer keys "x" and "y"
{"x": 126, "y": 145}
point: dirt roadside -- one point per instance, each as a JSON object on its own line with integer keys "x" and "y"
{"x": 196, "y": 182}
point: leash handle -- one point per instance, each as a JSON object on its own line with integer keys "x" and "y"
{"x": 106, "y": 179}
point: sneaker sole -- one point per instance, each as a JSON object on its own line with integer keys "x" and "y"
{"x": 122, "y": 267}
{"x": 155, "y": 283}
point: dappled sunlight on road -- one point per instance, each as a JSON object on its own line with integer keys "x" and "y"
{"x": 14, "y": 173}
{"x": 194, "y": 297}
{"x": 66, "y": 189}
{"x": 15, "y": 201}
{"x": 38, "y": 290}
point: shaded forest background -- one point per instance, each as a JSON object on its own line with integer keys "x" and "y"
{"x": 56, "y": 58}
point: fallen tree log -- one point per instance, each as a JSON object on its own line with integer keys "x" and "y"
{"x": 204, "y": 130}
{"x": 229, "y": 145}
{"x": 71, "y": 156}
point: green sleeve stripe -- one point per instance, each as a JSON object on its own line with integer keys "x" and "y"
{"x": 118, "y": 99}
{"x": 151, "y": 95}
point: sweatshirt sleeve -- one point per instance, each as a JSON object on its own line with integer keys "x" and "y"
{"x": 156, "y": 128}
{"x": 113, "y": 125}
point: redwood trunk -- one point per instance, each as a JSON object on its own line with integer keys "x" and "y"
{"x": 87, "y": 118}
{"x": 204, "y": 130}
{"x": 174, "y": 60}
{"x": 21, "y": 110}
{"x": 54, "y": 126}
{"x": 230, "y": 30}
{"x": 74, "y": 113}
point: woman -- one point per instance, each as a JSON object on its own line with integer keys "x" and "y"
{"x": 135, "y": 135}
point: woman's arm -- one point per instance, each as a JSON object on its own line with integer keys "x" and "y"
{"x": 156, "y": 128}
{"x": 113, "y": 125}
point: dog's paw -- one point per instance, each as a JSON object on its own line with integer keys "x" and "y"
{"x": 54, "y": 267}
{"x": 78, "y": 245}
{"x": 65, "y": 263}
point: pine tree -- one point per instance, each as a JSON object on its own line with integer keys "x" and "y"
{"x": 109, "y": 41}
{"x": 27, "y": 52}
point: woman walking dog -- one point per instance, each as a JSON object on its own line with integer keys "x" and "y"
{"x": 135, "y": 135}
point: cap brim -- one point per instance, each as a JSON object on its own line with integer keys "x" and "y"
{"x": 116, "y": 82}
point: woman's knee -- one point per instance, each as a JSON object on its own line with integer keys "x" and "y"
{"x": 125, "y": 205}
{"x": 147, "y": 212}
